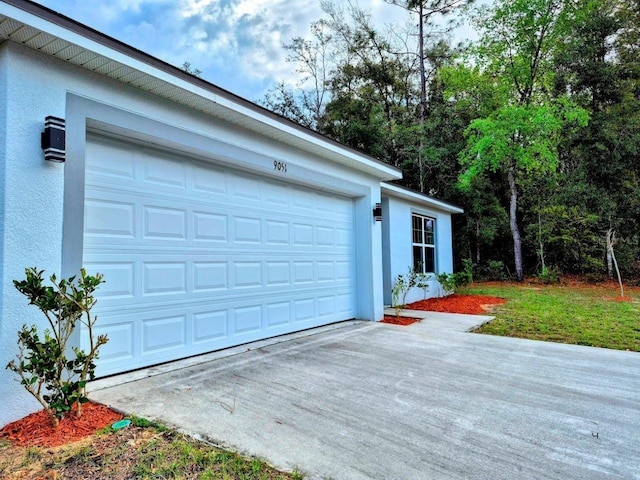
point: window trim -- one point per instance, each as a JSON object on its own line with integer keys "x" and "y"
{"x": 424, "y": 245}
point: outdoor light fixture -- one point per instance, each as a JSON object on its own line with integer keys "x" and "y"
{"x": 53, "y": 139}
{"x": 377, "y": 212}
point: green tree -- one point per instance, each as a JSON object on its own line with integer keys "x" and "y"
{"x": 426, "y": 11}
{"x": 519, "y": 138}
{"x": 373, "y": 94}
{"x": 601, "y": 164}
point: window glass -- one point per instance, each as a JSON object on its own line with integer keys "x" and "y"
{"x": 429, "y": 260}
{"x": 418, "y": 259}
{"x": 417, "y": 229}
{"x": 429, "y": 231}
{"x": 424, "y": 250}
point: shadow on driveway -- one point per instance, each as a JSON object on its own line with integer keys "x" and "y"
{"x": 428, "y": 401}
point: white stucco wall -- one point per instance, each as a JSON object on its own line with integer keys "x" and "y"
{"x": 32, "y": 214}
{"x": 3, "y": 158}
{"x": 397, "y": 241}
{"x": 35, "y": 191}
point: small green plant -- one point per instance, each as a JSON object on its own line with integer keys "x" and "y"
{"x": 144, "y": 423}
{"x": 31, "y": 454}
{"x": 57, "y": 382}
{"x": 403, "y": 285}
{"x": 549, "y": 275}
{"x": 465, "y": 277}
{"x": 297, "y": 474}
{"x": 452, "y": 281}
{"x": 493, "y": 270}
{"x": 447, "y": 281}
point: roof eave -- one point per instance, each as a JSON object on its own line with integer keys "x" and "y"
{"x": 406, "y": 194}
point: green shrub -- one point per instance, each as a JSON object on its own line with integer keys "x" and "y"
{"x": 549, "y": 275}
{"x": 404, "y": 283}
{"x": 452, "y": 281}
{"x": 492, "y": 270}
{"x": 56, "y": 381}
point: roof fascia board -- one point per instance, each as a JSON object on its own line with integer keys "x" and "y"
{"x": 400, "y": 192}
{"x": 46, "y": 20}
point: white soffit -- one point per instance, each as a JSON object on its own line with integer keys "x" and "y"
{"x": 391, "y": 190}
{"x": 44, "y": 30}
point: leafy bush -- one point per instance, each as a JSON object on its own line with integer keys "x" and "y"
{"x": 493, "y": 270}
{"x": 57, "y": 382}
{"x": 549, "y": 275}
{"x": 447, "y": 282}
{"x": 404, "y": 283}
{"x": 452, "y": 281}
{"x": 465, "y": 277}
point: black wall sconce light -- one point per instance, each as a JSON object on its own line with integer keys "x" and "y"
{"x": 377, "y": 212}
{"x": 53, "y": 139}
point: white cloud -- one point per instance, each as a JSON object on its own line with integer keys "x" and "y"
{"x": 237, "y": 44}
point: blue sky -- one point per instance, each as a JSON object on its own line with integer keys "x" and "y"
{"x": 237, "y": 44}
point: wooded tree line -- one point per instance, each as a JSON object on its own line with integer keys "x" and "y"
{"x": 534, "y": 129}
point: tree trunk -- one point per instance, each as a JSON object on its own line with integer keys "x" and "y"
{"x": 513, "y": 223}
{"x": 423, "y": 96}
{"x": 477, "y": 242}
{"x": 541, "y": 243}
{"x": 611, "y": 241}
{"x": 609, "y": 248}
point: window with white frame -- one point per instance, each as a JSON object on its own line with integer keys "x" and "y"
{"x": 424, "y": 243}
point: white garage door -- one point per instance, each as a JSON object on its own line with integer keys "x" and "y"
{"x": 198, "y": 257}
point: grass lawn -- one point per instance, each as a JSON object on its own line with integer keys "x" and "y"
{"x": 581, "y": 314}
{"x": 141, "y": 451}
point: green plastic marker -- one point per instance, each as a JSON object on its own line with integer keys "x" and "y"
{"x": 120, "y": 424}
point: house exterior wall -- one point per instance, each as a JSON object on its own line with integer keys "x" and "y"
{"x": 3, "y": 158}
{"x": 397, "y": 245}
{"x": 32, "y": 193}
{"x": 42, "y": 201}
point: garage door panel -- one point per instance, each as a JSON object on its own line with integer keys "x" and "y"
{"x": 148, "y": 277}
{"x": 210, "y": 276}
{"x": 275, "y": 195}
{"x": 245, "y": 188}
{"x": 209, "y": 181}
{"x": 164, "y": 333}
{"x": 107, "y": 160}
{"x": 120, "y": 347}
{"x": 198, "y": 257}
{"x": 109, "y": 219}
{"x": 147, "y": 338}
{"x": 246, "y": 230}
{"x": 210, "y": 227}
{"x": 164, "y": 278}
{"x": 122, "y": 278}
{"x": 210, "y": 326}
{"x": 166, "y": 221}
{"x": 164, "y": 173}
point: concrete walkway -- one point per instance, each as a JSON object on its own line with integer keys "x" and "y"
{"x": 428, "y": 401}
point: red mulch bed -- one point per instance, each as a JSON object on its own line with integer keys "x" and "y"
{"x": 622, "y": 299}
{"x": 36, "y": 429}
{"x": 471, "y": 304}
{"x": 404, "y": 321}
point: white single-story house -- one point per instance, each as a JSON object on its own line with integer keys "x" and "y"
{"x": 214, "y": 221}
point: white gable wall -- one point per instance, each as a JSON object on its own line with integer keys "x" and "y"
{"x": 397, "y": 244}
{"x": 36, "y": 193}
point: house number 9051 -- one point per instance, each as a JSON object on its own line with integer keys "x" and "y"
{"x": 280, "y": 166}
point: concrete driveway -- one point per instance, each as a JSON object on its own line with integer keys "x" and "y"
{"x": 427, "y": 401}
